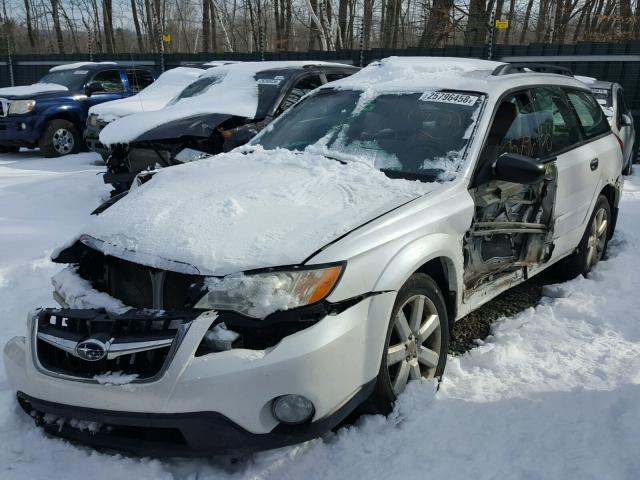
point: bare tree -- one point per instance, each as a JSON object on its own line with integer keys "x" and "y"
{"x": 55, "y": 15}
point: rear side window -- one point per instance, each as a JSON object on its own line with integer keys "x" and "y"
{"x": 139, "y": 79}
{"x": 622, "y": 107}
{"x": 332, "y": 77}
{"x": 110, "y": 80}
{"x": 558, "y": 125}
{"x": 591, "y": 116}
{"x": 299, "y": 90}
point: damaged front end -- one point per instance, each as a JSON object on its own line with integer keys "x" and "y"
{"x": 136, "y": 314}
{"x": 169, "y": 144}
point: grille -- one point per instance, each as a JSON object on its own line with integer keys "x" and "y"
{"x": 4, "y": 107}
{"x": 137, "y": 285}
{"x": 65, "y": 328}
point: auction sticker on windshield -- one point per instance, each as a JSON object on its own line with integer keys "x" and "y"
{"x": 449, "y": 97}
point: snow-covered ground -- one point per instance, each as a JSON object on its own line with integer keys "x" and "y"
{"x": 554, "y": 393}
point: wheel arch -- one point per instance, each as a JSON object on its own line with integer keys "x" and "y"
{"x": 612, "y": 193}
{"x": 434, "y": 255}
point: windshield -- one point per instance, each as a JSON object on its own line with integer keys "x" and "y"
{"x": 199, "y": 86}
{"x": 72, "y": 79}
{"x": 415, "y": 135}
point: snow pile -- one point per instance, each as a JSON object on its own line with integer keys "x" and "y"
{"x": 76, "y": 292}
{"x": 235, "y": 94}
{"x": 115, "y": 378}
{"x": 73, "y": 66}
{"x": 154, "y": 97}
{"x": 237, "y": 211}
{"x": 34, "y": 89}
{"x": 220, "y": 337}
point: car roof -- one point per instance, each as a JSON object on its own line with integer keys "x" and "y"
{"x": 595, "y": 83}
{"x": 93, "y": 66}
{"x": 416, "y": 74}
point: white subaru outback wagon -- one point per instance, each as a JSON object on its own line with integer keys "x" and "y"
{"x": 254, "y": 299}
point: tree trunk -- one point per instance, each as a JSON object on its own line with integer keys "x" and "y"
{"x": 56, "y": 25}
{"x": 525, "y": 23}
{"x": 435, "y": 27}
{"x": 151, "y": 26}
{"x": 30, "y": 32}
{"x": 107, "y": 20}
{"x": 214, "y": 31}
{"x": 136, "y": 24}
{"x": 206, "y": 26}
{"x": 342, "y": 23}
{"x": 475, "y": 33}
{"x": 367, "y": 23}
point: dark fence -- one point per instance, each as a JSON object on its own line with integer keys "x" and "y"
{"x": 617, "y": 62}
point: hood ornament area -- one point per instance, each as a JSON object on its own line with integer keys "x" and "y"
{"x": 92, "y": 350}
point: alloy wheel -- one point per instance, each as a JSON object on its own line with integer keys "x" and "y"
{"x": 597, "y": 237}
{"x": 63, "y": 141}
{"x": 415, "y": 343}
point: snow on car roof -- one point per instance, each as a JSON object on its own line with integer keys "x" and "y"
{"x": 235, "y": 94}
{"x": 71, "y": 66}
{"x": 418, "y": 73}
{"x": 415, "y": 74}
{"x": 153, "y": 97}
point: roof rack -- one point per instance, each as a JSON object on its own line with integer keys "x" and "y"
{"x": 509, "y": 68}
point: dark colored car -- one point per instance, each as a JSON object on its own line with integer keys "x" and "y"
{"x": 51, "y": 114}
{"x": 215, "y": 113}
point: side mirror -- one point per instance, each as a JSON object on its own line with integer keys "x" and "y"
{"x": 93, "y": 87}
{"x": 627, "y": 121}
{"x": 516, "y": 168}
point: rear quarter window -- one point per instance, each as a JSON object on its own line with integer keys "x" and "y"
{"x": 592, "y": 118}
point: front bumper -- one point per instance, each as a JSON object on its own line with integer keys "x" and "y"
{"x": 19, "y": 130}
{"x": 92, "y": 139}
{"x": 177, "y": 434}
{"x": 331, "y": 363}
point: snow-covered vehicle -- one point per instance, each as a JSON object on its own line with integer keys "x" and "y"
{"x": 255, "y": 299}
{"x": 224, "y": 107}
{"x": 610, "y": 96}
{"x": 152, "y": 98}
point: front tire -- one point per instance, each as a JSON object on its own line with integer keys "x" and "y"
{"x": 60, "y": 137}
{"x": 416, "y": 343}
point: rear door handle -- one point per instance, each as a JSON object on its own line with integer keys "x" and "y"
{"x": 594, "y": 164}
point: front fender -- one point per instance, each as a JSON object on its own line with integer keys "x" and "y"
{"x": 444, "y": 247}
{"x": 67, "y": 111}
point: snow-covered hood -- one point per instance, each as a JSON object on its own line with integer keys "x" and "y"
{"x": 237, "y": 212}
{"x": 235, "y": 93}
{"x": 31, "y": 90}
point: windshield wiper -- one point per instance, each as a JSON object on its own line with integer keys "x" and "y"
{"x": 422, "y": 177}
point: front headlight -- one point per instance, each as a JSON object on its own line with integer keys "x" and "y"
{"x": 258, "y": 295}
{"x": 93, "y": 120}
{"x": 18, "y": 107}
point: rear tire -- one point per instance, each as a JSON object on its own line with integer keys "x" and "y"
{"x": 416, "y": 343}
{"x": 593, "y": 246}
{"x": 60, "y": 137}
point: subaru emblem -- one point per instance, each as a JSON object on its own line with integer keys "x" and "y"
{"x": 91, "y": 350}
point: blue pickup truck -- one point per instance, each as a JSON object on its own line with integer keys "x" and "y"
{"x": 51, "y": 114}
